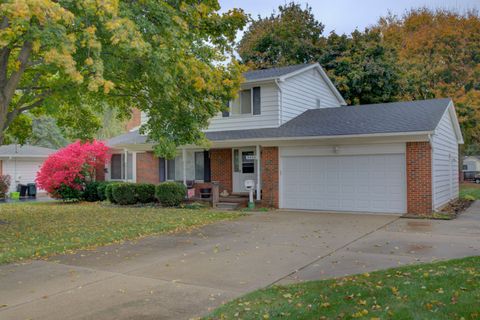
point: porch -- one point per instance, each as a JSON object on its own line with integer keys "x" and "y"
{"x": 197, "y": 168}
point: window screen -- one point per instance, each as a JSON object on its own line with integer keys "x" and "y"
{"x": 199, "y": 165}
{"x": 116, "y": 165}
{"x": 246, "y": 104}
{"x": 171, "y": 169}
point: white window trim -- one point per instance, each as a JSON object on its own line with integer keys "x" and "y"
{"x": 244, "y": 115}
{"x": 124, "y": 170}
{"x": 178, "y": 178}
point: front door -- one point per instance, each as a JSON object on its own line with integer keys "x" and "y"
{"x": 244, "y": 168}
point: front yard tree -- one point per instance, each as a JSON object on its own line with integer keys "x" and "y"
{"x": 71, "y": 59}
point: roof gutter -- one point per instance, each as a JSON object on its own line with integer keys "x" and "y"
{"x": 370, "y": 135}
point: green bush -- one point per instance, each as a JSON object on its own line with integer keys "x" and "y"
{"x": 145, "y": 192}
{"x": 170, "y": 194}
{"x": 68, "y": 194}
{"x": 108, "y": 192}
{"x": 124, "y": 193}
{"x": 101, "y": 189}
{"x": 90, "y": 192}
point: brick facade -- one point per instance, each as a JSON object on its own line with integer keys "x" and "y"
{"x": 419, "y": 178}
{"x": 221, "y": 168}
{"x": 135, "y": 120}
{"x": 99, "y": 172}
{"x": 270, "y": 176}
{"x": 148, "y": 168}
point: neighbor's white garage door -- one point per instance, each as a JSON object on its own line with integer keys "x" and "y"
{"x": 22, "y": 171}
{"x": 368, "y": 183}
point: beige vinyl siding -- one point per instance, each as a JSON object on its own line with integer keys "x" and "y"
{"x": 268, "y": 118}
{"x": 444, "y": 162}
{"x": 300, "y": 93}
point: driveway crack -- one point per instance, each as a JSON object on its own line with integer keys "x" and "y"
{"x": 332, "y": 252}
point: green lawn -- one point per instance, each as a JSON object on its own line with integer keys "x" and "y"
{"x": 42, "y": 229}
{"x": 470, "y": 189}
{"x": 444, "y": 290}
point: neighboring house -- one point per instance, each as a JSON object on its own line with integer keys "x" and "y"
{"x": 22, "y": 163}
{"x": 471, "y": 163}
{"x": 290, "y": 131}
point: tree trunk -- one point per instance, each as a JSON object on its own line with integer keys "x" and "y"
{"x": 3, "y": 120}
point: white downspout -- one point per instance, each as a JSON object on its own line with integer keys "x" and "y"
{"x": 280, "y": 102}
{"x": 432, "y": 164}
{"x": 259, "y": 165}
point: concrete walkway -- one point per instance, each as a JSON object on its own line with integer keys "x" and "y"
{"x": 185, "y": 275}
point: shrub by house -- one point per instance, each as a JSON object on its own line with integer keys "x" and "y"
{"x": 171, "y": 194}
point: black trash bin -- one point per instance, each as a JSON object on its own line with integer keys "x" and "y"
{"x": 22, "y": 189}
{"x": 32, "y": 190}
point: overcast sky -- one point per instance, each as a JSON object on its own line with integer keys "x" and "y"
{"x": 344, "y": 16}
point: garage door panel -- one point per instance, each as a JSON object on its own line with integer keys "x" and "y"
{"x": 345, "y": 183}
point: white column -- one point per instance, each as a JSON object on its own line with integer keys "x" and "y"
{"x": 125, "y": 165}
{"x": 184, "y": 163}
{"x": 259, "y": 166}
{"x": 134, "y": 166}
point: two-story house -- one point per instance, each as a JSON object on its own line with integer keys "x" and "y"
{"x": 291, "y": 132}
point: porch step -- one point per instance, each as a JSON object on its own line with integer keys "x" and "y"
{"x": 228, "y": 206}
{"x": 234, "y": 199}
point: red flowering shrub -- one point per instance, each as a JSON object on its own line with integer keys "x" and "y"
{"x": 64, "y": 173}
{"x": 4, "y": 185}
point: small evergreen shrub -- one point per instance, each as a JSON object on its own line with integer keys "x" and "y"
{"x": 145, "y": 192}
{"x": 171, "y": 194}
{"x": 108, "y": 192}
{"x": 101, "y": 186}
{"x": 124, "y": 193}
{"x": 90, "y": 192}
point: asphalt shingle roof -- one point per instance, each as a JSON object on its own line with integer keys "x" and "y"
{"x": 395, "y": 117}
{"x": 272, "y": 72}
{"x": 25, "y": 150}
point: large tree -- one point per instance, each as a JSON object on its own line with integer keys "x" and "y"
{"x": 360, "y": 66}
{"x": 291, "y": 36}
{"x": 439, "y": 55}
{"x": 68, "y": 59}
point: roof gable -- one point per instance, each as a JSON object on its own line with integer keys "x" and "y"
{"x": 283, "y": 73}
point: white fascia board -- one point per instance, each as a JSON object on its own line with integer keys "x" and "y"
{"x": 456, "y": 125}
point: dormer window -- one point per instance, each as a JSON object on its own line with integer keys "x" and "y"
{"x": 248, "y": 102}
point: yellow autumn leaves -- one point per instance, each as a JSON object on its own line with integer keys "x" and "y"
{"x": 47, "y": 19}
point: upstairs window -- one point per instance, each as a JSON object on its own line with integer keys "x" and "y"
{"x": 248, "y": 102}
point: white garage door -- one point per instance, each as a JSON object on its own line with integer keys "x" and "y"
{"x": 367, "y": 183}
{"x": 21, "y": 171}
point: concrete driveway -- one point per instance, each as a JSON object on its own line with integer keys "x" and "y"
{"x": 185, "y": 275}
